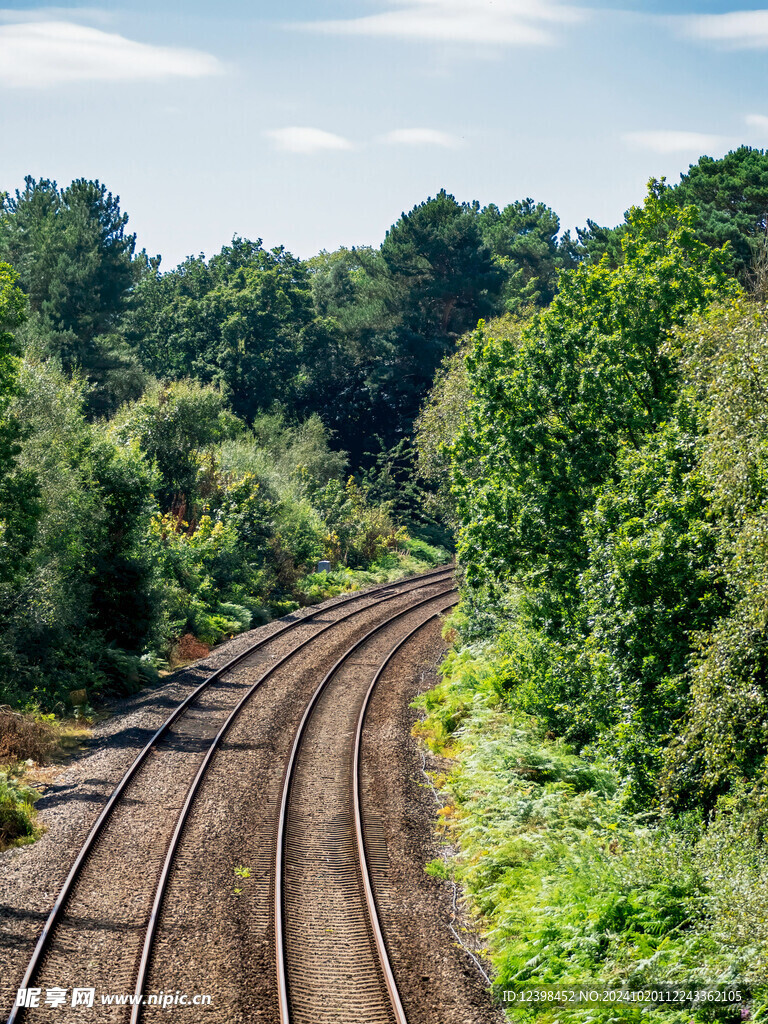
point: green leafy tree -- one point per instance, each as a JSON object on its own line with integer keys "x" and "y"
{"x": 19, "y": 507}
{"x": 441, "y": 274}
{"x": 438, "y": 424}
{"x": 589, "y": 374}
{"x": 724, "y": 740}
{"x": 74, "y": 258}
{"x": 596, "y": 242}
{"x": 523, "y": 238}
{"x": 431, "y": 280}
{"x": 85, "y": 606}
{"x": 175, "y": 425}
{"x": 731, "y": 194}
{"x": 244, "y": 321}
{"x": 442, "y": 415}
{"x": 77, "y": 264}
{"x": 651, "y": 586}
{"x": 165, "y": 323}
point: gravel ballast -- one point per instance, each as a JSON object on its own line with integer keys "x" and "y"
{"x": 215, "y": 931}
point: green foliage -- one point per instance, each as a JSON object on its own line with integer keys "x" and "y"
{"x": 392, "y": 315}
{"x": 596, "y": 243}
{"x": 72, "y": 253}
{"x": 523, "y": 238}
{"x": 612, "y": 676}
{"x": 393, "y": 482}
{"x": 442, "y": 415}
{"x": 217, "y": 567}
{"x": 358, "y": 530}
{"x": 196, "y": 567}
{"x": 87, "y": 583}
{"x": 77, "y": 265}
{"x": 611, "y": 491}
{"x": 569, "y": 889}
{"x": 731, "y": 195}
{"x": 412, "y": 557}
{"x": 174, "y": 425}
{"x": 726, "y": 734}
{"x": 651, "y": 584}
{"x": 430, "y": 282}
{"x": 243, "y": 322}
{"x": 439, "y": 421}
{"x": 290, "y": 458}
{"x": 424, "y": 552}
{"x": 17, "y": 820}
{"x": 610, "y": 796}
{"x": 549, "y": 414}
{"x": 187, "y": 437}
{"x": 19, "y": 506}
{"x": 437, "y": 262}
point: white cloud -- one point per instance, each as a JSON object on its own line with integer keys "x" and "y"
{"x": 759, "y": 121}
{"x": 40, "y": 54}
{"x": 306, "y": 140}
{"x": 675, "y": 142}
{"x": 495, "y": 22}
{"x": 739, "y": 29}
{"x": 421, "y": 137}
{"x": 69, "y": 14}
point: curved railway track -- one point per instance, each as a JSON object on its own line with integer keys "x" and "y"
{"x": 191, "y": 735}
{"x": 332, "y": 960}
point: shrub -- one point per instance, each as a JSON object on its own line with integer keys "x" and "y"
{"x": 568, "y": 888}
{"x": 24, "y": 737}
{"x": 16, "y": 812}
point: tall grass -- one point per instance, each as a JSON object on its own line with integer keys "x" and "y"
{"x": 17, "y": 816}
{"x": 569, "y": 889}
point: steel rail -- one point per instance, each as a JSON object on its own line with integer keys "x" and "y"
{"x": 365, "y": 873}
{"x": 90, "y": 841}
{"x": 280, "y": 955}
{"x": 194, "y": 786}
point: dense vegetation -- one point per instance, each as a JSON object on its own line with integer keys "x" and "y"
{"x": 607, "y": 701}
{"x": 178, "y": 449}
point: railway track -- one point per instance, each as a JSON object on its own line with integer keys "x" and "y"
{"x": 332, "y": 960}
{"x": 134, "y": 843}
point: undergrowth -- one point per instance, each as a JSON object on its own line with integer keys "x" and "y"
{"x": 416, "y": 557}
{"x": 31, "y": 741}
{"x": 25, "y": 736}
{"x": 571, "y": 890}
{"x": 17, "y": 815}
{"x": 30, "y": 737}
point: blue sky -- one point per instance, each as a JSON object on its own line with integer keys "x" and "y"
{"x": 315, "y": 124}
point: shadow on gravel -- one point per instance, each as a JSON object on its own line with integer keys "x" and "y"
{"x": 156, "y": 696}
{"x": 84, "y": 924}
{"x": 9, "y": 914}
{"x": 69, "y": 794}
{"x": 134, "y": 736}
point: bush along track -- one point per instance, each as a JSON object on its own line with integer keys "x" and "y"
{"x": 572, "y": 892}
{"x": 607, "y": 700}
{"x": 32, "y": 748}
{"x": 17, "y": 816}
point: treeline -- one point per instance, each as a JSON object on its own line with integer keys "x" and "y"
{"x": 179, "y": 448}
{"x": 354, "y": 335}
{"x": 608, "y": 468}
{"x": 182, "y": 447}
